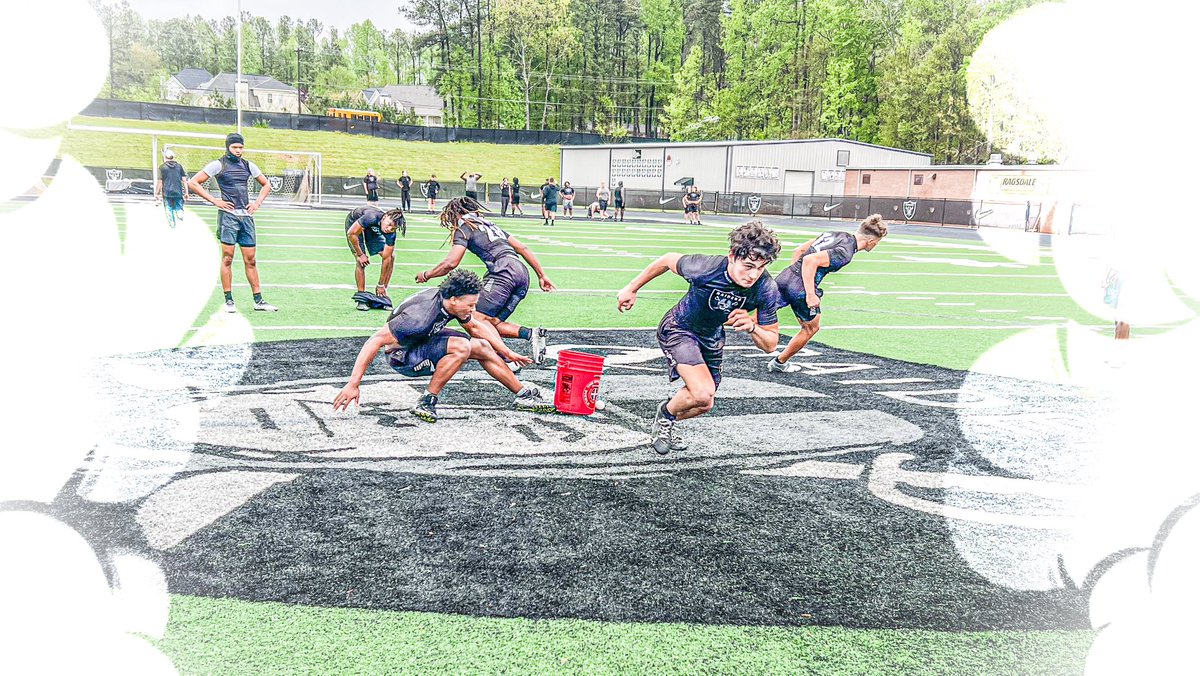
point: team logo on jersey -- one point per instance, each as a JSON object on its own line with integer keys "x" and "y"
{"x": 276, "y": 182}
{"x": 754, "y": 203}
{"x": 910, "y": 209}
{"x": 725, "y": 301}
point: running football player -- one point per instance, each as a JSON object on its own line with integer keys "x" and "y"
{"x": 417, "y": 343}
{"x": 723, "y": 291}
{"x": 507, "y": 279}
{"x": 800, "y": 283}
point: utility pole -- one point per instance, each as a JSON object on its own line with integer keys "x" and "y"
{"x": 298, "y": 50}
{"x": 237, "y": 85}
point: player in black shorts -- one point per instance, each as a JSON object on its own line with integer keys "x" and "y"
{"x": 171, "y": 187}
{"x": 417, "y": 343}
{"x": 799, "y": 284}
{"x": 516, "y": 197}
{"x": 372, "y": 232}
{"x": 507, "y": 279}
{"x": 722, "y": 291}
{"x": 371, "y": 186}
{"x": 691, "y": 204}
{"x": 405, "y": 184}
{"x": 619, "y": 200}
{"x": 549, "y": 201}
{"x": 432, "y": 188}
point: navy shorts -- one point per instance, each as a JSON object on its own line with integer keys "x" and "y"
{"x": 173, "y": 202}
{"x": 791, "y": 290}
{"x": 372, "y": 195}
{"x": 233, "y": 229}
{"x": 370, "y": 240}
{"x": 421, "y": 358}
{"x": 516, "y": 198}
{"x": 691, "y": 208}
{"x": 682, "y": 346}
{"x": 503, "y": 288}
{"x": 619, "y": 204}
{"x": 551, "y": 206}
{"x": 603, "y": 205}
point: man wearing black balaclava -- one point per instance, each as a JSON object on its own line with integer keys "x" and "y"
{"x": 236, "y": 224}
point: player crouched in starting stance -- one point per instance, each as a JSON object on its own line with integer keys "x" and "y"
{"x": 799, "y": 284}
{"x": 417, "y": 343}
{"x": 723, "y": 291}
{"x": 372, "y": 232}
{"x": 506, "y": 281}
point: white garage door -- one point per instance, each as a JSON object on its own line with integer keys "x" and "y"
{"x": 798, "y": 182}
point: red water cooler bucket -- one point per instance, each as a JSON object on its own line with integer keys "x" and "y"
{"x": 577, "y": 382}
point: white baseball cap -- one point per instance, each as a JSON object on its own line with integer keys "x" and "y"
{"x": 169, "y": 154}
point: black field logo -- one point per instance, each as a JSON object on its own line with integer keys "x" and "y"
{"x": 858, "y": 492}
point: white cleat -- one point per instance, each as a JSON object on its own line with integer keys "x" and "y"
{"x": 775, "y": 366}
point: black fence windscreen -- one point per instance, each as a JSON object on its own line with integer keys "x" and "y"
{"x": 167, "y": 112}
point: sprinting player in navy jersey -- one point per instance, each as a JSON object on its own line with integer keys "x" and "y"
{"x": 800, "y": 283}
{"x": 417, "y": 343}
{"x": 372, "y": 232}
{"x": 723, "y": 291}
{"x": 507, "y": 279}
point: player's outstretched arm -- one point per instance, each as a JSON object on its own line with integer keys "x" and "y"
{"x": 485, "y": 330}
{"x": 628, "y": 295}
{"x": 525, "y": 253}
{"x": 448, "y": 263}
{"x": 349, "y": 394}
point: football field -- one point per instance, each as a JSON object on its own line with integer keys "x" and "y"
{"x": 855, "y": 517}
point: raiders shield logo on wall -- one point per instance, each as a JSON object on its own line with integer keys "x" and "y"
{"x": 754, "y": 203}
{"x": 276, "y": 182}
{"x": 113, "y": 174}
{"x": 910, "y": 209}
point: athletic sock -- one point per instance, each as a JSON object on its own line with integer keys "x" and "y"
{"x": 524, "y": 332}
{"x": 258, "y": 298}
{"x": 667, "y": 414}
{"x": 228, "y": 296}
{"x": 524, "y": 391}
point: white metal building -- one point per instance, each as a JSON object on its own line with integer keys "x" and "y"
{"x": 795, "y": 167}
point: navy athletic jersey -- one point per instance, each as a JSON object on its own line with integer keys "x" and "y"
{"x": 370, "y": 218}
{"x": 550, "y": 192}
{"x": 483, "y": 238}
{"x": 372, "y": 182}
{"x": 841, "y": 247}
{"x": 172, "y": 174}
{"x": 693, "y": 197}
{"x": 419, "y": 317}
{"x": 568, "y": 192}
{"x": 405, "y": 183}
{"x": 712, "y": 295}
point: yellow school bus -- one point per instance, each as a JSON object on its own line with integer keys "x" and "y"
{"x": 354, "y": 114}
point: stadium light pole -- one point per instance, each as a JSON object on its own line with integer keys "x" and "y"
{"x": 237, "y": 84}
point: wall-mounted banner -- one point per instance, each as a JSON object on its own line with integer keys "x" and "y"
{"x": 833, "y": 174}
{"x": 634, "y": 167}
{"x": 742, "y": 171}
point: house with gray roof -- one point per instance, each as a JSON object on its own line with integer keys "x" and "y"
{"x": 264, "y": 93}
{"x": 184, "y": 83}
{"x": 420, "y": 100}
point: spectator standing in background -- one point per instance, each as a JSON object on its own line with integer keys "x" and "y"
{"x": 505, "y": 196}
{"x": 471, "y": 182}
{"x": 405, "y": 184}
{"x": 371, "y": 186}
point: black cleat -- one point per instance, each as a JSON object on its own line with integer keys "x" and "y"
{"x": 427, "y": 408}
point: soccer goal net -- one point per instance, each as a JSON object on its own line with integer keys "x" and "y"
{"x": 294, "y": 176}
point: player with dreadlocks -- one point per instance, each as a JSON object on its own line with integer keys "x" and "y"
{"x": 723, "y": 291}
{"x": 417, "y": 343}
{"x": 507, "y": 279}
{"x": 372, "y": 232}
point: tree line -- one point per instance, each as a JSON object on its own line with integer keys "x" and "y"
{"x": 891, "y": 72}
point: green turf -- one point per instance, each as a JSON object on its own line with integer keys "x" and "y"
{"x": 341, "y": 154}
{"x": 938, "y": 311}
{"x": 234, "y": 637}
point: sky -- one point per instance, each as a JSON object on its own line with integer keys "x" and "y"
{"x": 385, "y": 15}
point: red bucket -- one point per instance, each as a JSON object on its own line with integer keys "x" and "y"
{"x": 577, "y": 382}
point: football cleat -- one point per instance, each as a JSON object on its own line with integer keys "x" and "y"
{"x": 776, "y": 366}
{"x": 530, "y": 399}
{"x": 362, "y": 306}
{"x": 230, "y": 307}
{"x": 426, "y": 409}
{"x": 264, "y": 306}
{"x": 662, "y": 432}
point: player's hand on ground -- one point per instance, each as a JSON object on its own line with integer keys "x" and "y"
{"x": 517, "y": 358}
{"x": 625, "y": 299}
{"x": 363, "y": 260}
{"x": 348, "y": 395}
{"x": 546, "y": 284}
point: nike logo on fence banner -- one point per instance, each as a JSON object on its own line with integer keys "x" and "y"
{"x": 829, "y": 207}
{"x": 666, "y": 200}
{"x": 351, "y": 186}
